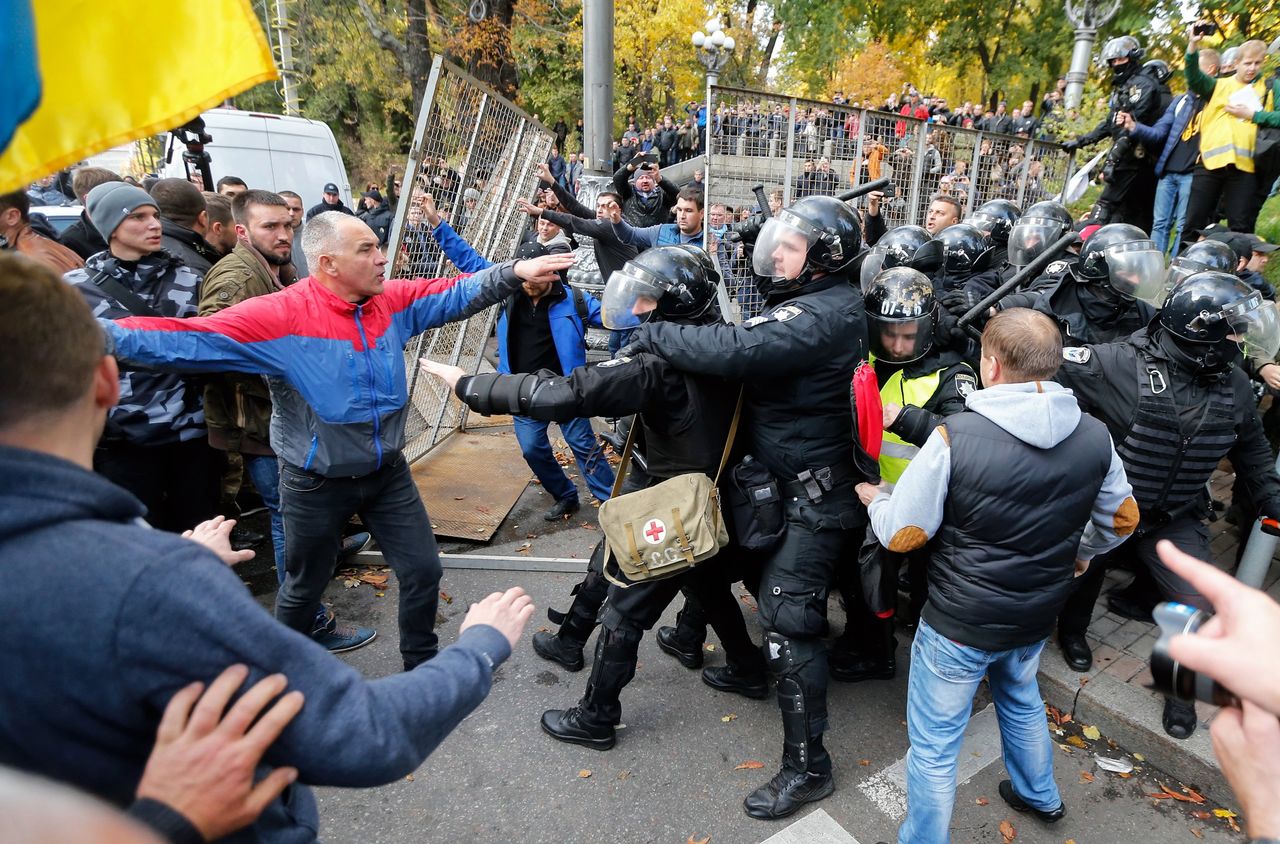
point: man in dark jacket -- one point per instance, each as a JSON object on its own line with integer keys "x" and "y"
{"x": 81, "y": 237}
{"x": 332, "y": 202}
{"x": 650, "y": 200}
{"x": 184, "y": 221}
{"x": 376, "y": 214}
{"x": 1001, "y": 564}
{"x": 128, "y": 617}
{"x": 154, "y": 444}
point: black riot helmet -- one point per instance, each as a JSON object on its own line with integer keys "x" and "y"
{"x": 1159, "y": 70}
{"x": 961, "y": 249}
{"x": 996, "y": 219}
{"x": 1123, "y": 258}
{"x": 1122, "y": 47}
{"x": 1199, "y": 257}
{"x": 666, "y": 282}
{"x": 1037, "y": 230}
{"x": 815, "y": 234}
{"x": 900, "y": 309}
{"x": 1211, "y": 309}
{"x": 896, "y": 248}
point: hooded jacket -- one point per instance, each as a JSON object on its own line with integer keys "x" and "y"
{"x": 1015, "y": 490}
{"x": 181, "y": 242}
{"x": 127, "y": 616}
{"x": 336, "y": 368}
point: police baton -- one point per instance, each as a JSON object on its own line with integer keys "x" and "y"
{"x": 863, "y": 190}
{"x": 762, "y": 201}
{"x": 1022, "y": 276}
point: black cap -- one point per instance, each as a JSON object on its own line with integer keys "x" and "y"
{"x": 372, "y": 194}
{"x": 1238, "y": 241}
{"x": 330, "y": 187}
{"x": 1261, "y": 246}
{"x": 530, "y": 249}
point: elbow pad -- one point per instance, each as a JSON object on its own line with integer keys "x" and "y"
{"x": 492, "y": 393}
{"x": 553, "y": 399}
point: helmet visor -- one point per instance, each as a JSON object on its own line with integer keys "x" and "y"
{"x": 630, "y": 296}
{"x": 1136, "y": 269}
{"x": 879, "y": 258}
{"x": 1029, "y": 239}
{"x": 900, "y": 340}
{"x": 1180, "y": 269}
{"x": 984, "y": 222}
{"x": 1255, "y": 325}
{"x": 782, "y": 248}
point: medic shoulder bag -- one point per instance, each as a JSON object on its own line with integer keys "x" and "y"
{"x": 665, "y": 529}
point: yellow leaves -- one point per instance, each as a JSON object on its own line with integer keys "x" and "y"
{"x": 1076, "y": 741}
{"x": 730, "y": 717}
{"x": 584, "y": 774}
{"x": 1085, "y": 776}
{"x": 1007, "y": 832}
{"x": 869, "y": 74}
{"x": 1092, "y": 733}
{"x": 1225, "y": 814}
{"x": 749, "y": 765}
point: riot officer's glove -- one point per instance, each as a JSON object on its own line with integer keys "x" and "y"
{"x": 1071, "y": 145}
{"x": 637, "y": 343}
{"x": 746, "y": 231}
{"x": 946, "y": 329}
{"x": 959, "y": 302}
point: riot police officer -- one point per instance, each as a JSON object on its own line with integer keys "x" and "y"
{"x": 1101, "y": 296}
{"x": 1130, "y": 175}
{"x": 919, "y": 384}
{"x": 684, "y": 420}
{"x": 996, "y": 220}
{"x": 897, "y": 248}
{"x": 965, "y": 256}
{"x": 1176, "y": 402}
{"x": 796, "y": 360}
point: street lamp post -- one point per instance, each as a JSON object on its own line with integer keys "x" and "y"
{"x": 714, "y": 48}
{"x": 1087, "y": 16}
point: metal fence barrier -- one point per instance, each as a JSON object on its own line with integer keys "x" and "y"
{"x": 797, "y": 148}
{"x": 467, "y": 137}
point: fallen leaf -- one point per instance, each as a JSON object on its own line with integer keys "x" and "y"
{"x": 1224, "y": 813}
{"x": 1076, "y": 741}
{"x": 1124, "y": 776}
{"x": 1159, "y": 795}
{"x": 380, "y": 594}
{"x": 373, "y": 579}
{"x": 409, "y": 778}
{"x": 1197, "y": 833}
{"x": 1091, "y": 733}
{"x": 1085, "y": 776}
{"x": 1202, "y": 815}
{"x": 1184, "y": 798}
{"x": 351, "y": 583}
{"x": 982, "y": 801}
{"x": 749, "y": 765}
{"x": 589, "y": 526}
{"x": 530, "y": 536}
{"x": 729, "y": 717}
{"x": 1139, "y": 757}
{"x": 693, "y": 840}
{"x": 864, "y": 762}
{"x": 710, "y": 646}
{"x": 583, "y": 774}
{"x": 1193, "y": 794}
{"x": 624, "y": 775}
{"x": 1063, "y": 747}
{"x": 446, "y": 597}
{"x": 1007, "y": 832}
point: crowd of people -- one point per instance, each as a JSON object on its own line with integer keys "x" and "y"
{"x": 1034, "y": 400}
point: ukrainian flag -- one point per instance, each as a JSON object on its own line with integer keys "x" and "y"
{"x": 82, "y": 76}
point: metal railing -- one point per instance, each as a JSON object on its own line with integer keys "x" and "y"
{"x": 468, "y": 138}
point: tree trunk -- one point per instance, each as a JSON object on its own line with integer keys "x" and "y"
{"x": 483, "y": 46}
{"x": 417, "y": 43}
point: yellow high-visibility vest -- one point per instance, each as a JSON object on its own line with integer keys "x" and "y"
{"x": 895, "y": 452}
{"x": 1225, "y": 139}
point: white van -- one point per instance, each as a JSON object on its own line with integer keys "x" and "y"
{"x": 271, "y": 152}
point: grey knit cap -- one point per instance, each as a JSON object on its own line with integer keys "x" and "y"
{"x": 108, "y": 204}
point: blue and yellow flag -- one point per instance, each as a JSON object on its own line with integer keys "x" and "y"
{"x": 82, "y": 76}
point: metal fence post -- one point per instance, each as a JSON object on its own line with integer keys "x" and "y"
{"x": 1026, "y": 171}
{"x": 858, "y": 150}
{"x": 788, "y": 175}
{"x": 973, "y": 173}
{"x": 917, "y": 177}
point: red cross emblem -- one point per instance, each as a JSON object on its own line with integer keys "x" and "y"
{"x": 654, "y": 531}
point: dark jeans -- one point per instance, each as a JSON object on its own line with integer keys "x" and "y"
{"x": 179, "y": 483}
{"x": 1187, "y": 533}
{"x": 1233, "y": 188}
{"x": 315, "y": 510}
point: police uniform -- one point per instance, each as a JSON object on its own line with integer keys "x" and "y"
{"x": 1130, "y": 190}
{"x": 1170, "y": 427}
{"x": 1082, "y": 315}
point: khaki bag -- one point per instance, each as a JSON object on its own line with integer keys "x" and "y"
{"x": 665, "y": 529}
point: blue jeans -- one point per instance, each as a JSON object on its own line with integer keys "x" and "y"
{"x": 944, "y": 678}
{"x": 1172, "y": 192}
{"x": 265, "y": 474}
{"x": 536, "y": 447}
{"x": 315, "y": 510}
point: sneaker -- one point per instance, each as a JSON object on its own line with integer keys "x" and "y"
{"x": 564, "y": 508}
{"x": 338, "y": 638}
{"x": 354, "y": 544}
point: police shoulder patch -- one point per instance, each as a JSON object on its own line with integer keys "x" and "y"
{"x": 614, "y": 362}
{"x": 1076, "y": 354}
{"x": 787, "y": 312}
{"x": 965, "y": 384}
{"x": 754, "y": 321}
{"x": 1056, "y": 268}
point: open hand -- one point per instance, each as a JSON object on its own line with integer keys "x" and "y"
{"x": 508, "y": 611}
{"x": 445, "y": 372}
{"x": 546, "y": 268}
{"x": 215, "y": 535}
{"x": 529, "y": 208}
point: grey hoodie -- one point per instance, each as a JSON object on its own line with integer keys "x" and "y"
{"x": 1041, "y": 414}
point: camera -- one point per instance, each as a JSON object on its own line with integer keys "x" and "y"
{"x": 1205, "y": 29}
{"x": 1168, "y": 676}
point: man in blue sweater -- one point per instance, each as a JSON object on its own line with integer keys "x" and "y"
{"x": 123, "y": 617}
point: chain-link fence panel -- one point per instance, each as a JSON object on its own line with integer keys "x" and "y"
{"x": 795, "y": 148}
{"x": 474, "y": 154}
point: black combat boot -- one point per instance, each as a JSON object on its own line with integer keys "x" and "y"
{"x": 805, "y": 776}
{"x": 871, "y": 659}
{"x": 685, "y": 640}
{"x": 591, "y": 723}
{"x": 564, "y": 647}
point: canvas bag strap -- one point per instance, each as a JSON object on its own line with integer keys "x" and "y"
{"x": 733, "y": 432}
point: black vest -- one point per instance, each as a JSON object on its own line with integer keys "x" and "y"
{"x": 1004, "y": 560}
{"x": 1167, "y": 465}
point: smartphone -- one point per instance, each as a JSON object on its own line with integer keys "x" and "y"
{"x": 1203, "y": 29}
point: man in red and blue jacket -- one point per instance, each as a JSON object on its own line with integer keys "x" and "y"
{"x": 332, "y": 349}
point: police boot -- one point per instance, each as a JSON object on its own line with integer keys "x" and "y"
{"x": 805, "y": 776}
{"x": 873, "y": 660}
{"x": 564, "y": 647}
{"x": 685, "y": 640}
{"x": 744, "y": 674}
{"x": 591, "y": 723}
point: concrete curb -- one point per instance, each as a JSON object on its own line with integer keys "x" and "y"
{"x": 1131, "y": 716}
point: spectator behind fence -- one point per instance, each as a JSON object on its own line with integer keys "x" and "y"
{"x": 82, "y": 701}
{"x": 17, "y": 234}
{"x": 338, "y": 423}
{"x": 1224, "y": 179}
{"x": 1002, "y": 565}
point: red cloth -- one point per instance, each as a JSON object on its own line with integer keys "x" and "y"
{"x": 866, "y": 396}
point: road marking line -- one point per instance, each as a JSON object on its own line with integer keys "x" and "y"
{"x": 817, "y": 827}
